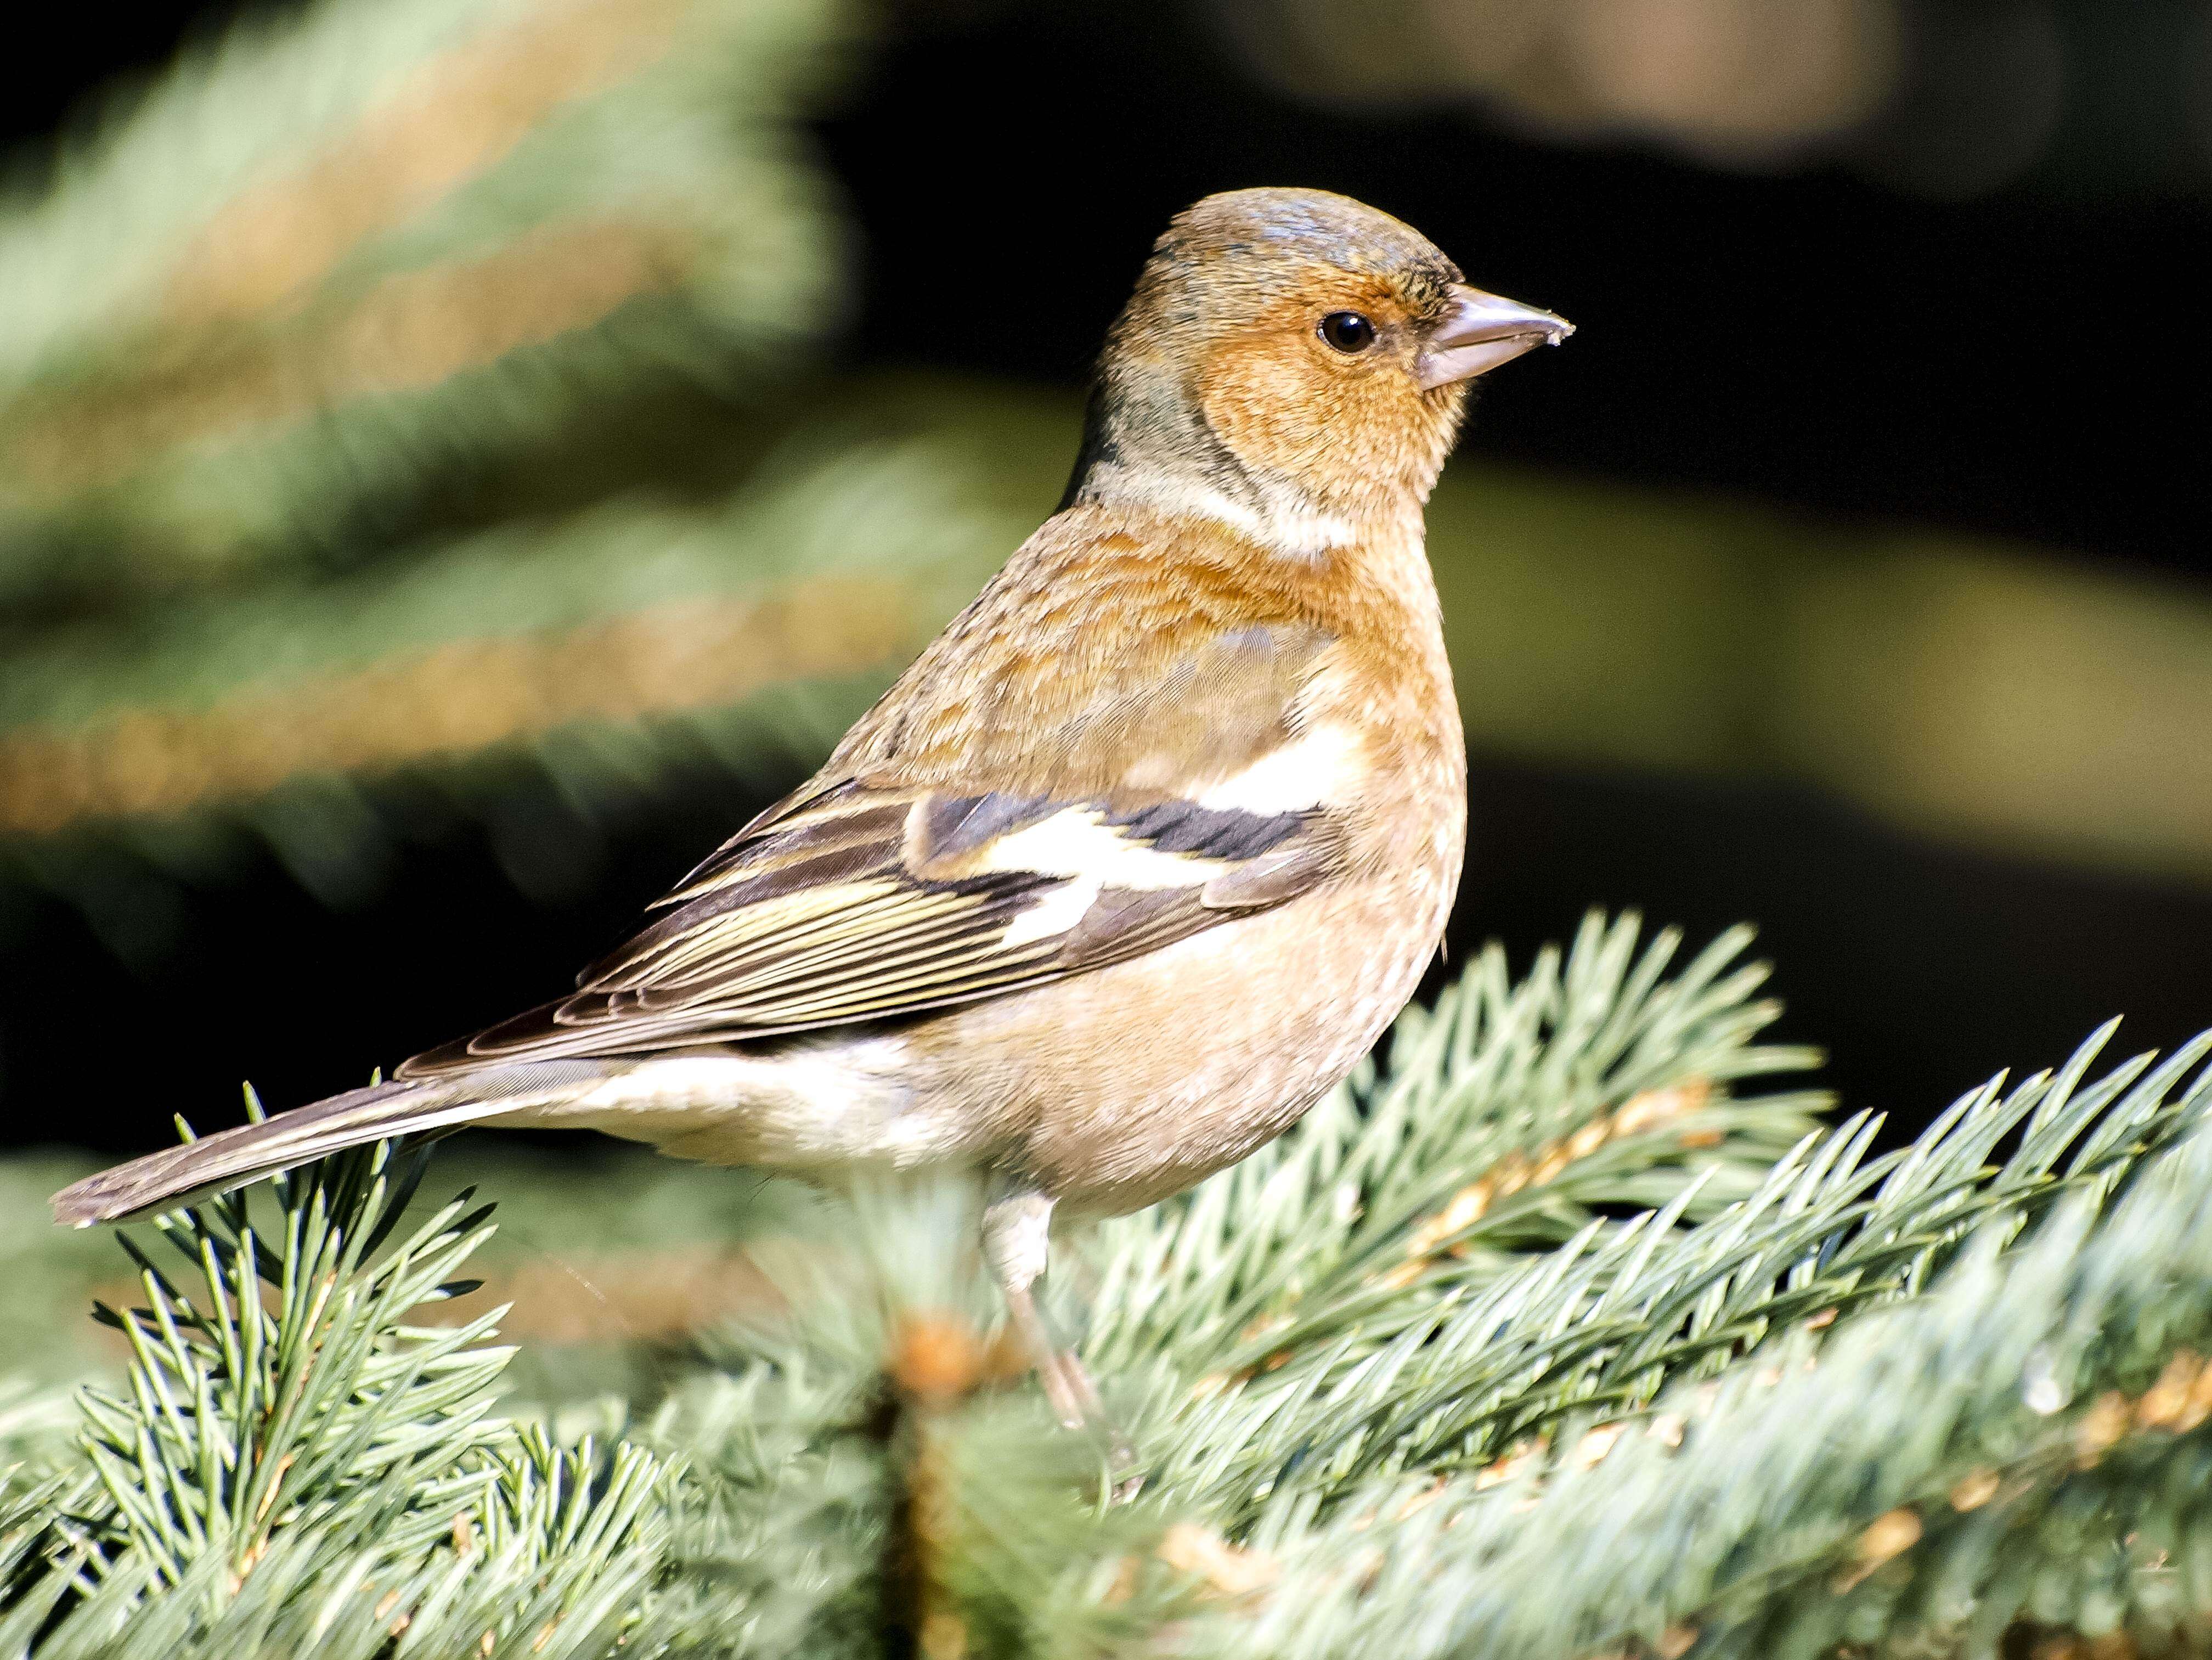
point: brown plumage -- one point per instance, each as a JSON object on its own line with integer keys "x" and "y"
{"x": 1136, "y": 859}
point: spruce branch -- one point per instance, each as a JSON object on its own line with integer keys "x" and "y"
{"x": 289, "y": 1443}
{"x": 324, "y": 262}
{"x": 1471, "y": 1366}
{"x": 245, "y": 1416}
{"x": 620, "y": 612}
{"x": 632, "y": 641}
{"x": 2024, "y": 1440}
{"x": 1598, "y": 1359}
{"x": 873, "y": 1474}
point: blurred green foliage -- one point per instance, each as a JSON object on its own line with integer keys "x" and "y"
{"x": 340, "y": 259}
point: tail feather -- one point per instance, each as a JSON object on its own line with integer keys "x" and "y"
{"x": 230, "y": 1159}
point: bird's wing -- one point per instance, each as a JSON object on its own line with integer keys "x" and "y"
{"x": 1093, "y": 760}
{"x": 865, "y": 904}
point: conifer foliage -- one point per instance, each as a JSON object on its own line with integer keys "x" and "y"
{"x": 396, "y": 424}
{"x": 1572, "y": 1329}
{"x": 395, "y": 404}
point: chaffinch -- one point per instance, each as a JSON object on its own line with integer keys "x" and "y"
{"x": 1135, "y": 861}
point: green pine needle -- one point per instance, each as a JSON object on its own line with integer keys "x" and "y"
{"x": 1555, "y": 1336}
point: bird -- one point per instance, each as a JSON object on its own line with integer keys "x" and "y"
{"x": 1135, "y": 861}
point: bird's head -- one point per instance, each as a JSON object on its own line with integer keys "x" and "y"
{"x": 1296, "y": 360}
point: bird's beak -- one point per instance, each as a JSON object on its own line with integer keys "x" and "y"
{"x": 1480, "y": 331}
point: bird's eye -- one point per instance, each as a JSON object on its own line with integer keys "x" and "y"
{"x": 1347, "y": 330}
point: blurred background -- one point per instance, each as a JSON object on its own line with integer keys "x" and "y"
{"x": 458, "y": 458}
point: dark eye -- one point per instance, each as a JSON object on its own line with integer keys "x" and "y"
{"x": 1347, "y": 330}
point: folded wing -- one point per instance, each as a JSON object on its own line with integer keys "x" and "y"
{"x": 858, "y": 904}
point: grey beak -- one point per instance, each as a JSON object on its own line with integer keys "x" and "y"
{"x": 1481, "y": 331}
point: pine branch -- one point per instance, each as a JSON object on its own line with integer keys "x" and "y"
{"x": 1469, "y": 1367}
{"x": 318, "y": 265}
{"x": 312, "y": 719}
{"x": 1814, "y": 1398}
{"x": 875, "y": 1476}
{"x": 836, "y": 560}
{"x": 242, "y": 1418}
{"x": 2025, "y": 1440}
{"x": 290, "y": 1451}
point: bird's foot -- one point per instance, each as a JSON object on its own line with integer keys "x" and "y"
{"x": 1075, "y": 1402}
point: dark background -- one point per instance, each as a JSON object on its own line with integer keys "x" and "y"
{"x": 2029, "y": 360}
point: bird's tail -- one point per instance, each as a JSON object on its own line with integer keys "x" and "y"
{"x": 230, "y": 1159}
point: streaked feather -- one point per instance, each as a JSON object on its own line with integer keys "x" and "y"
{"x": 860, "y": 904}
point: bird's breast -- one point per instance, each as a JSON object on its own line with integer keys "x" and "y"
{"x": 1120, "y": 1087}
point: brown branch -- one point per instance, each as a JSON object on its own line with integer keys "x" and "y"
{"x": 453, "y": 701}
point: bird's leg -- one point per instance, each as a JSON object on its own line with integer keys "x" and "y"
{"x": 1016, "y": 1244}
